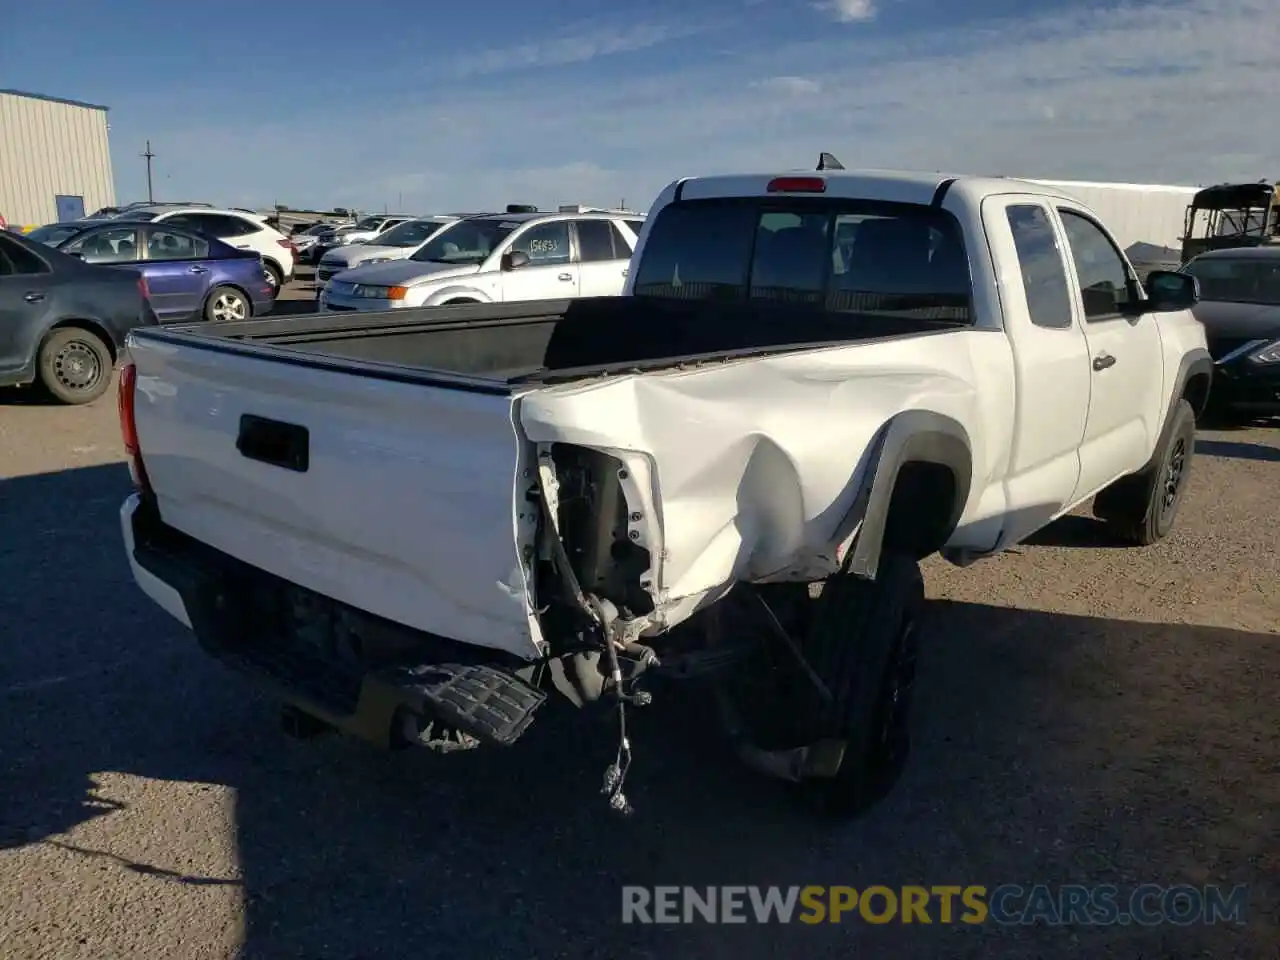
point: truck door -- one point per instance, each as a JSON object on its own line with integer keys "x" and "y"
{"x": 550, "y": 273}
{"x": 1126, "y": 367}
{"x": 1051, "y": 360}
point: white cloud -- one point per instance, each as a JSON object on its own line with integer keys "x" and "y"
{"x": 1157, "y": 91}
{"x": 793, "y": 86}
{"x": 849, "y": 11}
{"x": 572, "y": 46}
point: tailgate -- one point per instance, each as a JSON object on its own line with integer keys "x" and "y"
{"x": 400, "y": 499}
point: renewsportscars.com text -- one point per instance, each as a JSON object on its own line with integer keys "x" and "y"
{"x": 1063, "y": 905}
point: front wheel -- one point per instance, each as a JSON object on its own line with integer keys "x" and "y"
{"x": 1141, "y": 509}
{"x": 74, "y": 365}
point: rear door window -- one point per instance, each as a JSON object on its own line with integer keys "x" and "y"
{"x": 841, "y": 256}
{"x": 17, "y": 260}
{"x": 595, "y": 241}
{"x": 1044, "y": 277}
{"x": 165, "y": 244}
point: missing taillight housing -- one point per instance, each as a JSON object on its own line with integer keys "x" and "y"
{"x": 125, "y": 405}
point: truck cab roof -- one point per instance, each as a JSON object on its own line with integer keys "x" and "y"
{"x": 899, "y": 186}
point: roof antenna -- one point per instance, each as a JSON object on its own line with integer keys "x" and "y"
{"x": 827, "y": 161}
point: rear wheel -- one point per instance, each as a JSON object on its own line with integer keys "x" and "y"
{"x": 74, "y": 365}
{"x": 275, "y": 276}
{"x": 227, "y": 305}
{"x": 863, "y": 643}
{"x": 859, "y": 640}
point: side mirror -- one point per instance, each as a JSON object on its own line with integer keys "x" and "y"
{"x": 514, "y": 260}
{"x": 1168, "y": 290}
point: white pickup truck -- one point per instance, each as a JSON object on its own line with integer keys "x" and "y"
{"x": 416, "y": 526}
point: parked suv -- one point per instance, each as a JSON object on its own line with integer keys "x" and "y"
{"x": 499, "y": 258}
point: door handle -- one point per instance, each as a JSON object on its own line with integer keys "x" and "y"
{"x": 566, "y": 276}
{"x": 33, "y": 297}
{"x": 625, "y": 271}
{"x": 1103, "y": 360}
{"x": 197, "y": 270}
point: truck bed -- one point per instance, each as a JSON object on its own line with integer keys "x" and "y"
{"x": 382, "y": 460}
{"x": 498, "y": 347}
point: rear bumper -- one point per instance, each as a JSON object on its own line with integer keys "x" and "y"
{"x": 355, "y": 672}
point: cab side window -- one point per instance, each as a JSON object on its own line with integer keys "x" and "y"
{"x": 1044, "y": 277}
{"x": 546, "y": 244}
{"x": 1100, "y": 268}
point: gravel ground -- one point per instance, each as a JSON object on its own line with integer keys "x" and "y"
{"x": 1089, "y": 715}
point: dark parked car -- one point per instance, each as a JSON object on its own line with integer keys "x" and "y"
{"x": 1240, "y": 309}
{"x": 63, "y": 322}
{"x": 191, "y": 276}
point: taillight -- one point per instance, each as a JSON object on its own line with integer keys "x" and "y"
{"x": 288, "y": 245}
{"x": 797, "y": 185}
{"x": 143, "y": 288}
{"x": 129, "y": 426}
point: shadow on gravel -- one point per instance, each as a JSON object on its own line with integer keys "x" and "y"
{"x": 1237, "y": 450}
{"x": 291, "y": 308}
{"x": 24, "y": 397}
{"x": 1074, "y": 530}
{"x": 1049, "y": 749}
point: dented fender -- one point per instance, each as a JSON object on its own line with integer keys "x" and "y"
{"x": 765, "y": 468}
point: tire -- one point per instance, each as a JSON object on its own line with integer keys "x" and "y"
{"x": 458, "y": 302}
{"x": 274, "y": 274}
{"x": 1141, "y": 509}
{"x": 862, "y": 643}
{"x": 227, "y": 305}
{"x": 74, "y": 366}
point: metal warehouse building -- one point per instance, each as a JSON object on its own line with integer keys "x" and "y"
{"x": 55, "y": 163}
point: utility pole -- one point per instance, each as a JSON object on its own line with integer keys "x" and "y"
{"x": 150, "y": 156}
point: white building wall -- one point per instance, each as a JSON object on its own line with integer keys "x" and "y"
{"x": 50, "y": 147}
{"x": 1152, "y": 213}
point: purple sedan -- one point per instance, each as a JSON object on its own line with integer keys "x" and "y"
{"x": 189, "y": 276}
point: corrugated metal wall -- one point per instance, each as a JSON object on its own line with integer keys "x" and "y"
{"x": 48, "y": 148}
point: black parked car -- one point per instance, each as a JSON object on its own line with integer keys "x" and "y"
{"x": 63, "y": 322}
{"x": 1240, "y": 309}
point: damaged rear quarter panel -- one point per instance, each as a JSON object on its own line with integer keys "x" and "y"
{"x": 743, "y": 469}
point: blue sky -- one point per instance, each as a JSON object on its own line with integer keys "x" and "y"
{"x": 445, "y": 106}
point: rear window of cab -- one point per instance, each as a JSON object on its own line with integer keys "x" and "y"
{"x": 843, "y": 256}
